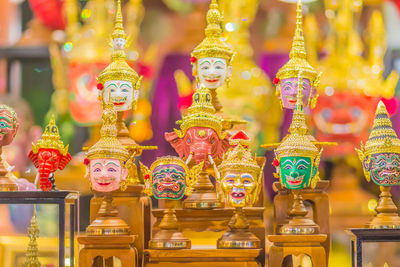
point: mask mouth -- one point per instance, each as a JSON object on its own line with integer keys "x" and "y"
{"x": 385, "y": 173}
{"x": 171, "y": 186}
{"x": 212, "y": 79}
{"x": 238, "y": 194}
{"x": 294, "y": 181}
{"x": 104, "y": 181}
{"x": 119, "y": 101}
{"x": 291, "y": 100}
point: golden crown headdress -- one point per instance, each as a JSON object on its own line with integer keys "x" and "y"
{"x": 201, "y": 114}
{"x": 239, "y": 158}
{"x": 298, "y": 56}
{"x": 108, "y": 145}
{"x": 382, "y": 139}
{"x": 50, "y": 139}
{"x": 212, "y": 45}
{"x": 119, "y": 68}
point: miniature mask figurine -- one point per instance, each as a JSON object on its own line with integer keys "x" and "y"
{"x": 296, "y": 160}
{"x": 107, "y": 160}
{"x": 240, "y": 176}
{"x": 239, "y": 181}
{"x": 8, "y": 125}
{"x": 381, "y": 154}
{"x": 201, "y": 135}
{"x": 380, "y": 158}
{"x": 297, "y": 157}
{"x": 8, "y": 129}
{"x": 48, "y": 155}
{"x": 211, "y": 59}
{"x": 119, "y": 81}
{"x": 287, "y": 77}
{"x": 170, "y": 178}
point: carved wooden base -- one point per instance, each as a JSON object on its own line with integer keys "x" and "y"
{"x": 204, "y": 195}
{"x": 286, "y": 245}
{"x": 134, "y": 208}
{"x": 202, "y": 257}
{"x": 387, "y": 214}
{"x": 169, "y": 237}
{"x": 106, "y": 247}
{"x": 239, "y": 235}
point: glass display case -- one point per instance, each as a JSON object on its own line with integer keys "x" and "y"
{"x": 375, "y": 247}
{"x": 57, "y": 220}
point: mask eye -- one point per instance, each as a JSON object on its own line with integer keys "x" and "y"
{"x": 212, "y": 140}
{"x": 112, "y": 90}
{"x": 111, "y": 170}
{"x": 97, "y": 170}
{"x": 125, "y": 90}
{"x": 288, "y": 167}
{"x": 301, "y": 167}
{"x": 188, "y": 140}
{"x": 229, "y": 181}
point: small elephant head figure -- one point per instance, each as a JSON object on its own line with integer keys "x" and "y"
{"x": 49, "y": 154}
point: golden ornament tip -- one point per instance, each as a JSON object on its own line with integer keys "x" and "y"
{"x": 118, "y": 26}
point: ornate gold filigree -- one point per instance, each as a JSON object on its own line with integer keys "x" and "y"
{"x": 108, "y": 145}
{"x": 201, "y": 114}
{"x": 212, "y": 45}
{"x": 51, "y": 139}
{"x": 119, "y": 68}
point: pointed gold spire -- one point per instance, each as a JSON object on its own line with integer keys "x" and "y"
{"x": 108, "y": 145}
{"x": 298, "y": 56}
{"x": 298, "y": 124}
{"x": 50, "y": 139}
{"x": 119, "y": 68}
{"x": 212, "y": 45}
{"x": 119, "y": 31}
{"x": 382, "y": 139}
{"x": 298, "y": 46}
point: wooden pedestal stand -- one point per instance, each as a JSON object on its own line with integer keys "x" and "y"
{"x": 204, "y": 227}
{"x": 300, "y": 235}
{"x": 286, "y": 245}
{"x": 202, "y": 258}
{"x": 204, "y": 195}
{"x": 5, "y": 183}
{"x": 320, "y": 205}
{"x": 169, "y": 236}
{"x": 107, "y": 247}
{"x": 107, "y": 236}
{"x": 239, "y": 235}
{"x": 134, "y": 207}
{"x": 387, "y": 214}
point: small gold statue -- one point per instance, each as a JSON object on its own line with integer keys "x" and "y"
{"x": 239, "y": 181}
{"x": 170, "y": 179}
{"x": 380, "y": 158}
{"x": 32, "y": 253}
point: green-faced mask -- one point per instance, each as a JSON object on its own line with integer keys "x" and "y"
{"x": 296, "y": 172}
